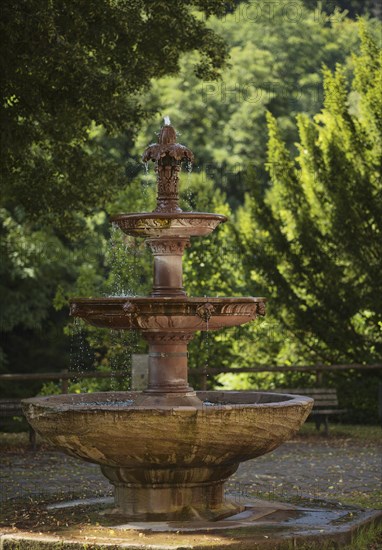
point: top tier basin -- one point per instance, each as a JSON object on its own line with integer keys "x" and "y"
{"x": 169, "y": 224}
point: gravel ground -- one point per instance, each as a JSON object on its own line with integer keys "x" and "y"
{"x": 339, "y": 469}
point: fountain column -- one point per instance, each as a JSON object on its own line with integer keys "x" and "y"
{"x": 168, "y": 357}
{"x": 168, "y": 370}
{"x": 168, "y": 269}
{"x": 168, "y": 353}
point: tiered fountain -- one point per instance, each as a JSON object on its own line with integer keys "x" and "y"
{"x": 168, "y": 450}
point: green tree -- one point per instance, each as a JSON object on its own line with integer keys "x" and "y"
{"x": 315, "y": 233}
{"x": 37, "y": 270}
{"x": 72, "y": 79}
{"x": 275, "y": 64}
{"x": 69, "y": 68}
{"x": 354, "y": 8}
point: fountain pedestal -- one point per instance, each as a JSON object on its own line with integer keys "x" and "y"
{"x": 168, "y": 371}
{"x": 168, "y": 269}
{"x": 171, "y": 494}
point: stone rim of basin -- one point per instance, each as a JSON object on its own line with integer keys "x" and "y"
{"x": 209, "y": 400}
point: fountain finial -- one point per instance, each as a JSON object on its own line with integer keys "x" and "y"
{"x": 168, "y": 156}
{"x": 167, "y": 134}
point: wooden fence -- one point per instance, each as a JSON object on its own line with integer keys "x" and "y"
{"x": 65, "y": 376}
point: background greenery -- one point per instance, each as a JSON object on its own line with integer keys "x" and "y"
{"x": 287, "y": 144}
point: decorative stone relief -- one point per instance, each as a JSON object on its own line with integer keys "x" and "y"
{"x": 169, "y": 246}
{"x": 205, "y": 311}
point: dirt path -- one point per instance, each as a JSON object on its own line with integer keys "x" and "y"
{"x": 340, "y": 470}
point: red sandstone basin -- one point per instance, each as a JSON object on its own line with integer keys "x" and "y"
{"x": 168, "y": 224}
{"x": 175, "y": 314}
{"x": 226, "y": 429}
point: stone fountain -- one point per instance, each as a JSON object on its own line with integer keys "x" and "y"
{"x": 169, "y": 449}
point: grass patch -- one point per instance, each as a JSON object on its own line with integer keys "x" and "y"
{"x": 364, "y": 500}
{"x": 368, "y": 538}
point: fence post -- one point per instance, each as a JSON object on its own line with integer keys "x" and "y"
{"x": 64, "y": 382}
{"x": 319, "y": 377}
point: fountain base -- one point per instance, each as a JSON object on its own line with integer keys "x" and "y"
{"x": 264, "y": 524}
{"x": 171, "y": 494}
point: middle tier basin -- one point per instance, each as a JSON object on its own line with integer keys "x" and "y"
{"x": 175, "y": 314}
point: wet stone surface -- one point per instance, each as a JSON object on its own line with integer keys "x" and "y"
{"x": 114, "y": 404}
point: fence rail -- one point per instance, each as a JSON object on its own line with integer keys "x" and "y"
{"x": 317, "y": 369}
{"x": 66, "y": 375}
{"x": 63, "y": 376}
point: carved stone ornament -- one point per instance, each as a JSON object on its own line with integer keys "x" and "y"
{"x": 168, "y": 246}
{"x": 261, "y": 308}
{"x": 167, "y": 146}
{"x": 168, "y": 224}
{"x": 168, "y": 156}
{"x": 130, "y": 309}
{"x": 158, "y": 337}
{"x": 74, "y": 310}
{"x": 205, "y": 311}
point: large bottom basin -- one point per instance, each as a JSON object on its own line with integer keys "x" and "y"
{"x": 168, "y": 462}
{"x": 107, "y": 428}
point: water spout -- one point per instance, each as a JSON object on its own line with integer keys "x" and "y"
{"x": 167, "y": 121}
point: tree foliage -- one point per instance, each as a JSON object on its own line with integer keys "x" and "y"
{"x": 354, "y": 8}
{"x": 76, "y": 80}
{"x": 71, "y": 67}
{"x": 315, "y": 234}
{"x": 72, "y": 79}
{"x": 276, "y": 55}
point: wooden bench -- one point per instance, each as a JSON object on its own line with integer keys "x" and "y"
{"x": 325, "y": 404}
{"x": 11, "y": 408}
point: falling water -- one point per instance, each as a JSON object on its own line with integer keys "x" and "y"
{"x": 189, "y": 190}
{"x": 123, "y": 345}
{"x": 81, "y": 356}
{"x": 120, "y": 345}
{"x": 206, "y": 347}
{"x": 121, "y": 256}
{"x": 147, "y": 183}
{"x": 186, "y": 189}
